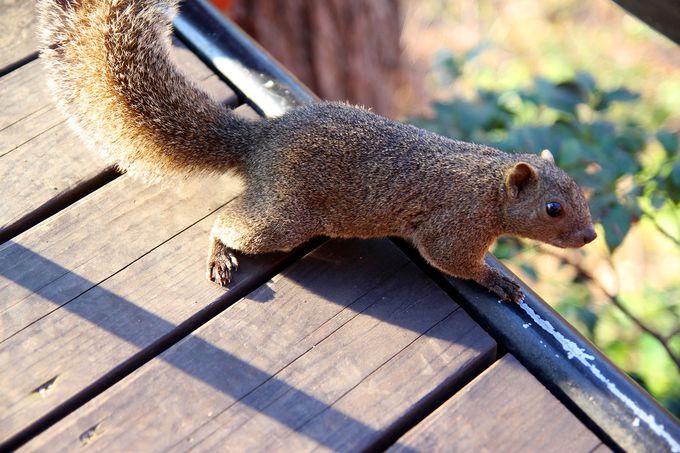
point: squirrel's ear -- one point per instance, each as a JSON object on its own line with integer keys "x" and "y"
{"x": 547, "y": 155}
{"x": 519, "y": 177}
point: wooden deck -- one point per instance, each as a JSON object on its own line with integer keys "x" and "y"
{"x": 112, "y": 339}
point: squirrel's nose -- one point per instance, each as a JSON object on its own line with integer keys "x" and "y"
{"x": 589, "y": 235}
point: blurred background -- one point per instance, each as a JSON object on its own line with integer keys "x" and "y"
{"x": 593, "y": 84}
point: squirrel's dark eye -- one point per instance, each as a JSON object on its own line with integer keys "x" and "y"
{"x": 553, "y": 208}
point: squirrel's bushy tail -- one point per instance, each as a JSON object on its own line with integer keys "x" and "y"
{"x": 108, "y": 63}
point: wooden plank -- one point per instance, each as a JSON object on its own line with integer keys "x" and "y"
{"x": 28, "y": 109}
{"x": 17, "y": 40}
{"x": 68, "y": 254}
{"x": 356, "y": 376}
{"x": 116, "y": 285}
{"x": 84, "y": 239}
{"x": 504, "y": 409}
{"x": 46, "y": 170}
{"x": 100, "y": 328}
{"x": 56, "y": 166}
{"x": 333, "y": 352}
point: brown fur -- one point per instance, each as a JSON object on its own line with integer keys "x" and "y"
{"x": 321, "y": 169}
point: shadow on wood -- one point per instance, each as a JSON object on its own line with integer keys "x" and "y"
{"x": 222, "y": 370}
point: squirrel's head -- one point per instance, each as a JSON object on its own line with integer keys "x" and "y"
{"x": 544, "y": 203}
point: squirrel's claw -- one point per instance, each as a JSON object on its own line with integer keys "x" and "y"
{"x": 222, "y": 263}
{"x": 507, "y": 289}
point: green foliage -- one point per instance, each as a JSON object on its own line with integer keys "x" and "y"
{"x": 629, "y": 173}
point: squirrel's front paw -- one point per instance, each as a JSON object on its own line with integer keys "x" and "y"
{"x": 222, "y": 263}
{"x": 506, "y": 288}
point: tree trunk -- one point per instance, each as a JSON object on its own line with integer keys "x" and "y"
{"x": 342, "y": 49}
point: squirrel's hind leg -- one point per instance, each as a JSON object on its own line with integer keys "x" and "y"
{"x": 251, "y": 229}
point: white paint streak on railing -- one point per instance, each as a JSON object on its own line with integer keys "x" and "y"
{"x": 574, "y": 352}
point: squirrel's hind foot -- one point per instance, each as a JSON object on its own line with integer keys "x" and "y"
{"x": 222, "y": 263}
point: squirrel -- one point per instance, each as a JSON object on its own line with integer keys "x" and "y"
{"x": 322, "y": 169}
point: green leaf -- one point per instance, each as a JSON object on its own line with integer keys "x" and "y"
{"x": 588, "y": 318}
{"x": 657, "y": 200}
{"x": 448, "y": 67}
{"x": 616, "y": 223}
{"x": 505, "y": 248}
{"x": 606, "y": 98}
{"x": 475, "y": 51}
{"x": 675, "y": 173}
{"x": 533, "y": 139}
{"x": 620, "y": 95}
{"x": 563, "y": 97}
{"x": 602, "y": 134}
{"x": 585, "y": 81}
{"x": 669, "y": 141}
{"x": 529, "y": 270}
{"x": 569, "y": 153}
